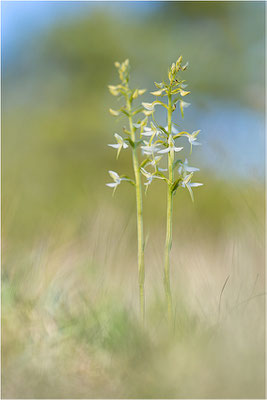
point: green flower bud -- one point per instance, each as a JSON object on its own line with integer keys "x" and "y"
{"x": 113, "y": 90}
{"x": 180, "y": 59}
{"x": 178, "y": 63}
{"x": 141, "y": 92}
{"x": 114, "y": 112}
{"x": 135, "y": 94}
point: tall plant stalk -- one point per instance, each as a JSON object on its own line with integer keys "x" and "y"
{"x": 168, "y": 242}
{"x": 167, "y": 137}
{"x": 139, "y": 214}
{"x": 133, "y": 141}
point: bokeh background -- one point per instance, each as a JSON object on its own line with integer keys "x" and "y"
{"x": 70, "y": 323}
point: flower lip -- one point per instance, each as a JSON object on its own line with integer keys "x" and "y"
{"x": 113, "y": 184}
{"x": 121, "y": 144}
{"x": 186, "y": 182}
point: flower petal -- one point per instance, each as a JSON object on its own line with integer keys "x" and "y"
{"x": 190, "y": 191}
{"x": 148, "y": 106}
{"x": 164, "y": 151}
{"x": 114, "y": 184}
{"x": 118, "y": 138}
{"x": 114, "y": 175}
{"x": 191, "y": 169}
{"x": 173, "y": 130}
{"x": 196, "y": 184}
{"x": 148, "y": 132}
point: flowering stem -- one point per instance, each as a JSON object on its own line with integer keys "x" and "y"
{"x": 139, "y": 213}
{"x": 168, "y": 243}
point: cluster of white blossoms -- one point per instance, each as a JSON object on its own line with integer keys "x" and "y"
{"x": 160, "y": 144}
{"x": 156, "y": 141}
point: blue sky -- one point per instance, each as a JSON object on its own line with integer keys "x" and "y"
{"x": 22, "y": 19}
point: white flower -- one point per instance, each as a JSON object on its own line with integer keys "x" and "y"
{"x": 117, "y": 179}
{"x": 149, "y": 177}
{"x": 149, "y": 148}
{"x": 174, "y": 131}
{"x": 149, "y": 132}
{"x": 154, "y": 163}
{"x": 186, "y": 182}
{"x": 121, "y": 144}
{"x": 192, "y": 139}
{"x": 184, "y": 167}
{"x": 171, "y": 147}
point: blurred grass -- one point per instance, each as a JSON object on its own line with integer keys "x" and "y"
{"x": 70, "y": 324}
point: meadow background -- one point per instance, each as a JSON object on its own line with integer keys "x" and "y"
{"x": 70, "y": 323}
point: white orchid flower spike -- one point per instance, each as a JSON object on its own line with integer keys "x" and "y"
{"x": 121, "y": 144}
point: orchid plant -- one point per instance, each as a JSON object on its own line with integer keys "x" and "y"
{"x": 165, "y": 141}
{"x": 155, "y": 142}
{"x": 133, "y": 139}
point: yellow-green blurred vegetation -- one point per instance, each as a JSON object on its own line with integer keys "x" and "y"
{"x": 70, "y": 323}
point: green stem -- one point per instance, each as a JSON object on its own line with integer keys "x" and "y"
{"x": 168, "y": 243}
{"x": 139, "y": 214}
